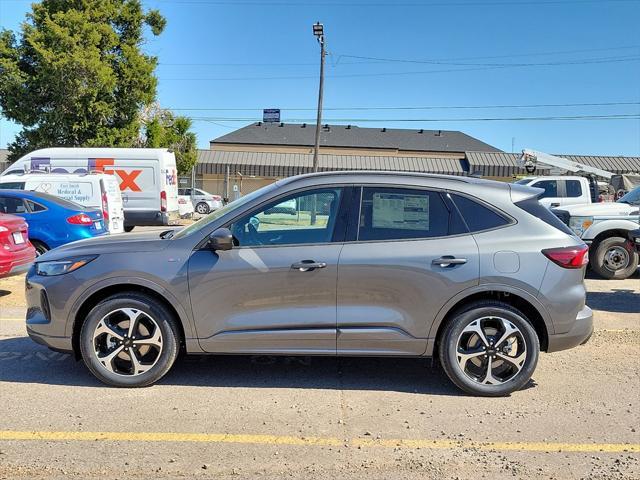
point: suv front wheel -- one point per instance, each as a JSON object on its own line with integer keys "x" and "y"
{"x": 489, "y": 349}
{"x": 129, "y": 340}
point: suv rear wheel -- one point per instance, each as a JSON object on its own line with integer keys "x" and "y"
{"x": 614, "y": 258}
{"x": 129, "y": 340}
{"x": 489, "y": 349}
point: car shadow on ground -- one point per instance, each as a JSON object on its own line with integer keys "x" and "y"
{"x": 22, "y": 361}
{"x": 618, "y": 300}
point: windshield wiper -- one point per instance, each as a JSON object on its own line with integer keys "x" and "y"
{"x": 167, "y": 234}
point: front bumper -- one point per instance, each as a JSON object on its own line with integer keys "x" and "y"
{"x": 579, "y": 334}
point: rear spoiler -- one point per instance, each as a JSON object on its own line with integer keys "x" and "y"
{"x": 520, "y": 193}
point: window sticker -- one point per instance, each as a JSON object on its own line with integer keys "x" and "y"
{"x": 400, "y": 211}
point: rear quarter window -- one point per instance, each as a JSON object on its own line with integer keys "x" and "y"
{"x": 477, "y": 216}
{"x": 533, "y": 207}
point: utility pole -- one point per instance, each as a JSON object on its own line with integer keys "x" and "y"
{"x": 318, "y": 31}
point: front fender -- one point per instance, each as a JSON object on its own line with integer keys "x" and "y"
{"x": 184, "y": 313}
{"x": 626, "y": 223}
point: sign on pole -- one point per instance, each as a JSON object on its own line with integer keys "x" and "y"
{"x": 271, "y": 115}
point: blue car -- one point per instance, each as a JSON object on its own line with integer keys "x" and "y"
{"x": 52, "y": 221}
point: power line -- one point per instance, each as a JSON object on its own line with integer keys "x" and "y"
{"x": 635, "y": 116}
{"x": 503, "y": 3}
{"x": 431, "y": 107}
{"x": 340, "y": 56}
{"x": 386, "y": 74}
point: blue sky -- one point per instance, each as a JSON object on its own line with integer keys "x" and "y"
{"x": 219, "y": 56}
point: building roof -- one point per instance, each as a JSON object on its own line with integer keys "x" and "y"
{"x": 501, "y": 164}
{"x": 272, "y": 164}
{"x": 350, "y": 136}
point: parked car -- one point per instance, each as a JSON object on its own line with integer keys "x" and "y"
{"x": 399, "y": 265}
{"x": 53, "y": 221}
{"x": 148, "y": 177}
{"x": 605, "y": 227}
{"x": 203, "y": 202}
{"x": 17, "y": 254}
{"x": 98, "y": 191}
{"x": 564, "y": 190}
{"x": 185, "y": 207}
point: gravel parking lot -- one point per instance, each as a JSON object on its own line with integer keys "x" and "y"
{"x": 244, "y": 417}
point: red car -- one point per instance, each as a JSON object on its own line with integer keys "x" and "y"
{"x": 16, "y": 251}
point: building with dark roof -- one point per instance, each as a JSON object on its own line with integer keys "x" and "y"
{"x": 260, "y": 153}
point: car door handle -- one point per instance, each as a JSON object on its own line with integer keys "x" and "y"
{"x": 308, "y": 265}
{"x": 555, "y": 205}
{"x": 448, "y": 260}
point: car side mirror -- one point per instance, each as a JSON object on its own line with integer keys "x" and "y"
{"x": 221, "y": 239}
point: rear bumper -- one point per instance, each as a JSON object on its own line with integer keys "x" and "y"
{"x": 577, "y": 335}
{"x": 150, "y": 218}
{"x": 17, "y": 265}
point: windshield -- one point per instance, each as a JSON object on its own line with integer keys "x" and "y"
{"x": 229, "y": 207}
{"x": 632, "y": 197}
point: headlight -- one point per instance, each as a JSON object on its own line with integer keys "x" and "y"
{"x": 580, "y": 224}
{"x": 60, "y": 267}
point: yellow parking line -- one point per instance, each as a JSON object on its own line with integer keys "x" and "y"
{"x": 11, "y": 320}
{"x": 10, "y": 435}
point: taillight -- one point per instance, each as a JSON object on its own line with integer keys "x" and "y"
{"x": 80, "y": 219}
{"x": 217, "y": 198}
{"x": 105, "y": 207}
{"x": 568, "y": 257}
{"x": 163, "y": 201}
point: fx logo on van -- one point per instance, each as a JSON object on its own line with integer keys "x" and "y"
{"x": 127, "y": 178}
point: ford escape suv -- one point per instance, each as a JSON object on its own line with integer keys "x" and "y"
{"x": 475, "y": 272}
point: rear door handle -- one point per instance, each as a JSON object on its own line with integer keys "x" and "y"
{"x": 308, "y": 265}
{"x": 448, "y": 260}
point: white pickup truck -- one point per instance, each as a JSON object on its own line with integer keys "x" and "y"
{"x": 563, "y": 190}
{"x": 605, "y": 227}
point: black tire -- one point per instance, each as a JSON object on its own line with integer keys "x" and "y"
{"x": 601, "y": 256}
{"x": 150, "y": 306}
{"x": 448, "y": 348}
{"x": 129, "y": 229}
{"x": 202, "y": 208}
{"x": 41, "y": 248}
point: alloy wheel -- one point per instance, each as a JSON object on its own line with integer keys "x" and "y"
{"x": 127, "y": 341}
{"x": 491, "y": 351}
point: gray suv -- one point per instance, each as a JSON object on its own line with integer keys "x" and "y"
{"x": 475, "y": 272}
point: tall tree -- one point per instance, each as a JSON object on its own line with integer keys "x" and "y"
{"x": 162, "y": 129}
{"x": 76, "y": 74}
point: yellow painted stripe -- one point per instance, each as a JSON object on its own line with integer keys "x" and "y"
{"x": 10, "y": 435}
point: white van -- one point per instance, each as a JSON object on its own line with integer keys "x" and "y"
{"x": 148, "y": 177}
{"x": 95, "y": 190}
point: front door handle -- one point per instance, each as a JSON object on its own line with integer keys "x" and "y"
{"x": 448, "y": 260}
{"x": 553, "y": 205}
{"x": 308, "y": 265}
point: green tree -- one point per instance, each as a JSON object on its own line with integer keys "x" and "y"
{"x": 162, "y": 129}
{"x": 76, "y": 74}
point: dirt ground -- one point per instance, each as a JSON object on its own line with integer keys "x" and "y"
{"x": 264, "y": 417}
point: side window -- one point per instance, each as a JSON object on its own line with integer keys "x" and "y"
{"x": 12, "y": 185}
{"x": 550, "y": 188}
{"x": 401, "y": 213}
{"x": 477, "y": 216}
{"x": 12, "y": 205}
{"x": 574, "y": 188}
{"x": 307, "y": 217}
{"x": 34, "y": 207}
